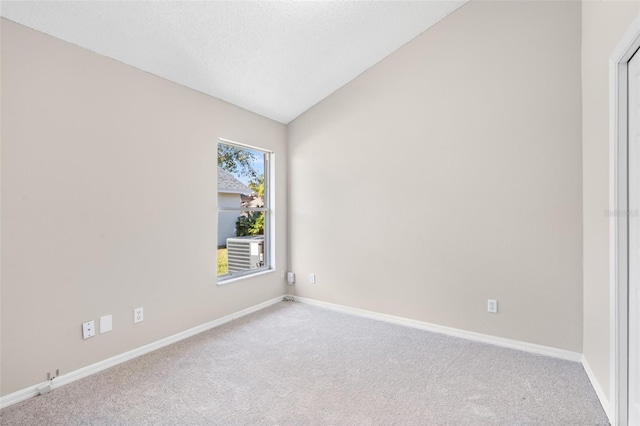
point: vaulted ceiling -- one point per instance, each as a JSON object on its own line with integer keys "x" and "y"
{"x": 275, "y": 58}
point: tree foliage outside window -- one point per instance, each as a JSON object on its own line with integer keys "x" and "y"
{"x": 237, "y": 160}
{"x": 257, "y": 185}
{"x": 251, "y": 224}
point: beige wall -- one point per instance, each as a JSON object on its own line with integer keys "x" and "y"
{"x": 450, "y": 173}
{"x": 603, "y": 24}
{"x": 109, "y": 203}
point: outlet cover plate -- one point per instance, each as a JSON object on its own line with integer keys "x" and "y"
{"x": 492, "y": 306}
{"x": 88, "y": 329}
{"x": 138, "y": 315}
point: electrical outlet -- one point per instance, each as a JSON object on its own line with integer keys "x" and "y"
{"x": 492, "y": 306}
{"x": 138, "y": 315}
{"x": 49, "y": 377}
{"x": 88, "y": 329}
{"x": 312, "y": 278}
{"x": 291, "y": 277}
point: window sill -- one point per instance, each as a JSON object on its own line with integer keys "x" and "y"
{"x": 226, "y": 281}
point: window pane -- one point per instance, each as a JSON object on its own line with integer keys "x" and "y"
{"x": 242, "y": 187}
{"x": 245, "y": 250}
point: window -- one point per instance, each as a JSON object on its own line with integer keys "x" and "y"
{"x": 244, "y": 213}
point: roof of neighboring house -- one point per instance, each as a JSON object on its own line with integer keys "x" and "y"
{"x": 229, "y": 184}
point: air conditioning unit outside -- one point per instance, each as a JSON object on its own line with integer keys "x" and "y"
{"x": 245, "y": 253}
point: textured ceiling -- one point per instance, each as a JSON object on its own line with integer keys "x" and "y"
{"x": 275, "y": 58}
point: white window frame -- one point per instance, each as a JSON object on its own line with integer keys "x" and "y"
{"x": 268, "y": 245}
{"x": 619, "y": 226}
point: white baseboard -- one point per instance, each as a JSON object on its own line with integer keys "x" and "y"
{"x": 604, "y": 401}
{"x": 455, "y": 332}
{"x": 64, "y": 379}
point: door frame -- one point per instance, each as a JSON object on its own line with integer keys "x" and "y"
{"x": 619, "y": 224}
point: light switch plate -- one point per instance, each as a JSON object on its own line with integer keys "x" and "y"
{"x": 106, "y": 323}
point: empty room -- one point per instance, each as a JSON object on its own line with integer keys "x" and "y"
{"x": 320, "y": 213}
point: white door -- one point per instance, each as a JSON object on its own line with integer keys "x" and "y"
{"x": 634, "y": 240}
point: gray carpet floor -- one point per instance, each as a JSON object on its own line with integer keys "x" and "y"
{"x": 296, "y": 364}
